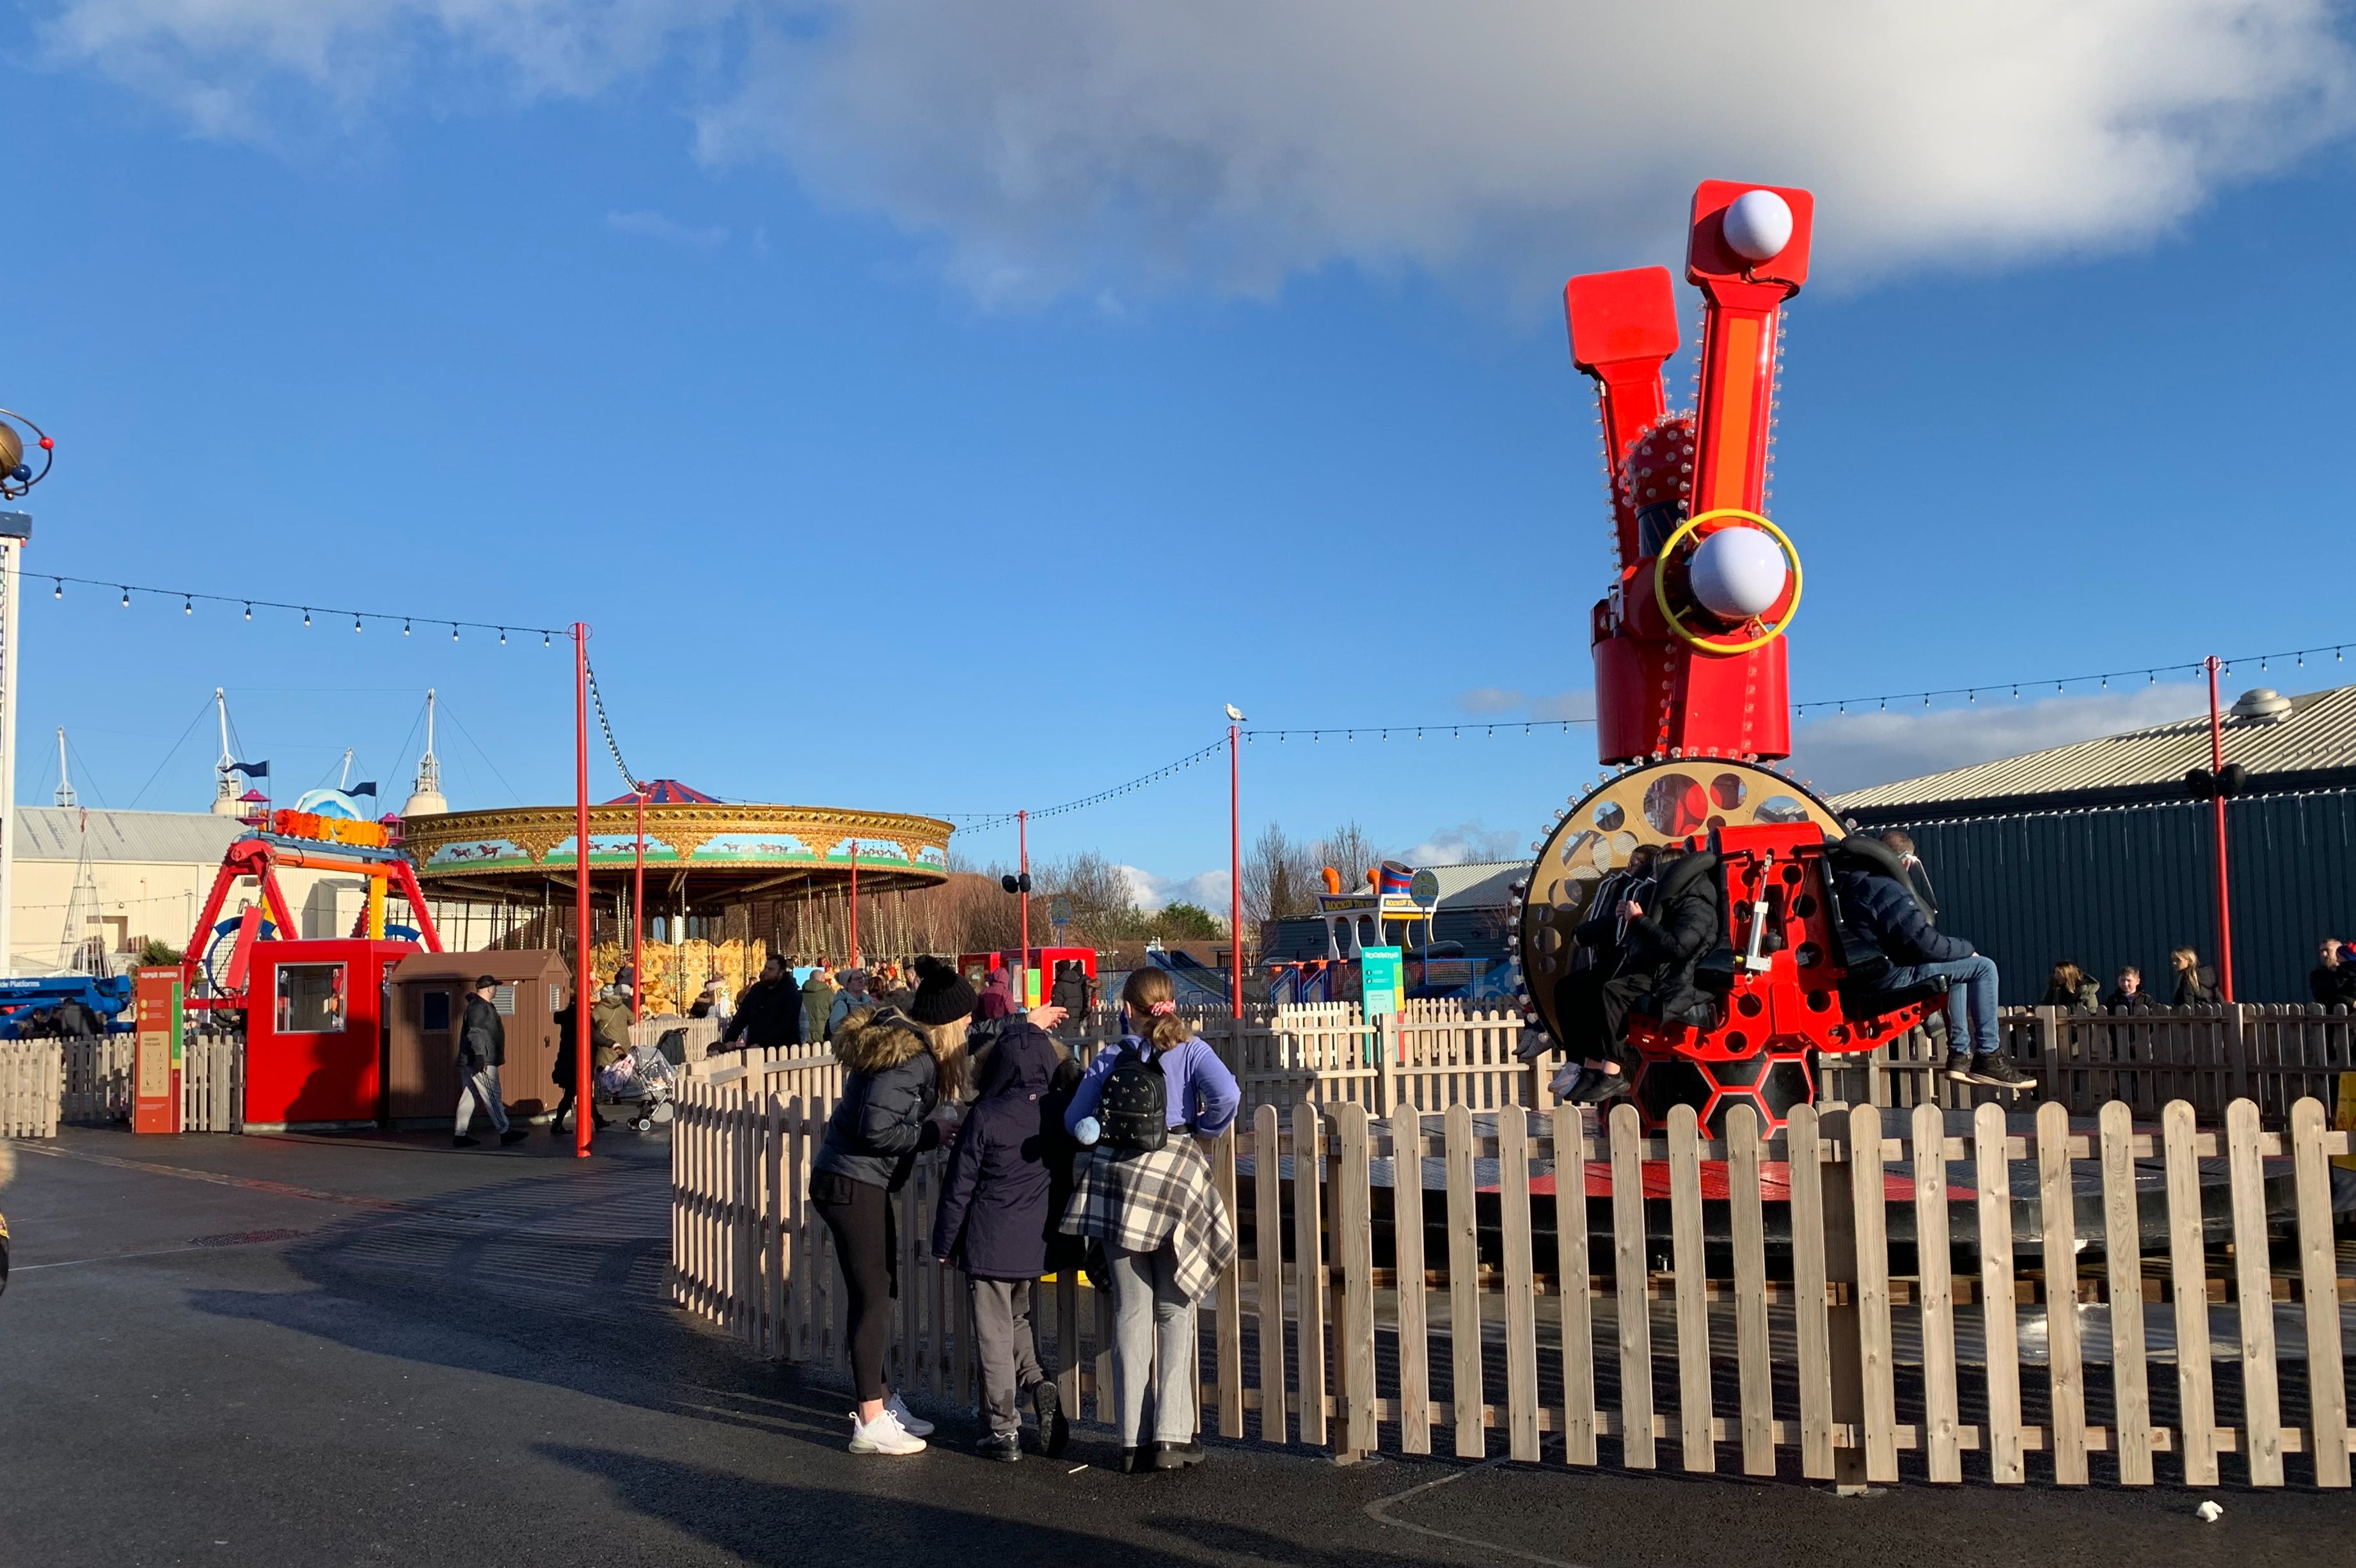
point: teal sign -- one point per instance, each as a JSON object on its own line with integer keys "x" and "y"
{"x": 1381, "y": 981}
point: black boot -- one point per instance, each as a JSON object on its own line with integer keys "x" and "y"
{"x": 1048, "y": 1403}
{"x": 1177, "y": 1456}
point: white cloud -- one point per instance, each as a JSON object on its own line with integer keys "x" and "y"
{"x": 655, "y": 226}
{"x": 1051, "y": 145}
{"x": 1464, "y": 845}
{"x": 1851, "y": 751}
{"x": 1204, "y": 889}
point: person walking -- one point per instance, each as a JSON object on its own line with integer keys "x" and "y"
{"x": 993, "y": 1223}
{"x": 2196, "y": 983}
{"x": 883, "y": 1120}
{"x": 1144, "y": 1191}
{"x": 770, "y": 1014}
{"x": 482, "y": 1051}
{"x": 817, "y": 1004}
{"x": 1071, "y": 989}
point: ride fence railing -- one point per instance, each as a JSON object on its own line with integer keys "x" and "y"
{"x": 30, "y": 1072}
{"x": 2273, "y": 1054}
{"x": 1794, "y": 1308}
{"x": 97, "y": 1081}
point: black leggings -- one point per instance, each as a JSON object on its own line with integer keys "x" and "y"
{"x": 866, "y": 1242}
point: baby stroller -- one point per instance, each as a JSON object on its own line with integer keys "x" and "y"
{"x": 645, "y": 1080}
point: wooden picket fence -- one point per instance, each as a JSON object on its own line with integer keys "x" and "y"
{"x": 212, "y": 1083}
{"x": 97, "y": 1084}
{"x": 1827, "y": 1356}
{"x": 30, "y": 1071}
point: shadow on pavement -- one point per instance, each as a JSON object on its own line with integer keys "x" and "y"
{"x": 775, "y": 1525}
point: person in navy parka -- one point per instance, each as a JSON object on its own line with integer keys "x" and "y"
{"x": 993, "y": 1223}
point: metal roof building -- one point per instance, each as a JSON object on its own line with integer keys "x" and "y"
{"x": 2096, "y": 852}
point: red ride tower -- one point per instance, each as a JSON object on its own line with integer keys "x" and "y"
{"x": 1691, "y": 692}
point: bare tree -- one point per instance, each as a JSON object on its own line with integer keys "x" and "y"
{"x": 1349, "y": 851}
{"x": 1280, "y": 876}
{"x": 1104, "y": 904}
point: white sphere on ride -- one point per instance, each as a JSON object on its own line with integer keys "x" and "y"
{"x": 1739, "y": 572}
{"x": 1759, "y": 225}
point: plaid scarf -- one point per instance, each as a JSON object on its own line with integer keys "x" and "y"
{"x": 1137, "y": 1201}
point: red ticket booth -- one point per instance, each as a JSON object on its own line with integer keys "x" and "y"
{"x": 315, "y": 1032}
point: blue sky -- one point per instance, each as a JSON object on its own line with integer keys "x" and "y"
{"x": 947, "y": 420}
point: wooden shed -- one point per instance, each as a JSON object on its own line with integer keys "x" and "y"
{"x": 429, "y": 996}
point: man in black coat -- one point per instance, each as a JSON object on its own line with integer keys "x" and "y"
{"x": 1601, "y": 940}
{"x": 770, "y": 1011}
{"x": 482, "y": 1051}
{"x": 1885, "y": 912}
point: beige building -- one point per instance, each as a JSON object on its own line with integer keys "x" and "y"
{"x": 150, "y": 871}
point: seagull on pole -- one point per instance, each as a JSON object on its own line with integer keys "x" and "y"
{"x": 1234, "y": 713}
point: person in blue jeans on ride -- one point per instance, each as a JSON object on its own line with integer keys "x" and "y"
{"x": 1141, "y": 1112}
{"x": 1886, "y": 911}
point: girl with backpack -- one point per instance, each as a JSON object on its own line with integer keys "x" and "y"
{"x": 893, "y": 1073}
{"x": 1144, "y": 1191}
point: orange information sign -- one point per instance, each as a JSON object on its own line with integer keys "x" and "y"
{"x": 156, "y": 997}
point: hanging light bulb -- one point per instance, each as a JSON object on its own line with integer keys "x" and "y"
{"x": 503, "y": 637}
{"x": 187, "y": 606}
{"x": 60, "y": 590}
{"x": 249, "y": 612}
{"x": 306, "y": 618}
{"x": 127, "y": 598}
{"x": 355, "y": 622}
{"x": 404, "y": 625}
{"x": 543, "y": 641}
{"x": 454, "y": 631}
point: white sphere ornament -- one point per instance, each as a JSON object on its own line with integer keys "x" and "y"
{"x": 1759, "y": 225}
{"x": 1739, "y": 572}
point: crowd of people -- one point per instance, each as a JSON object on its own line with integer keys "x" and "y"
{"x": 1051, "y": 1169}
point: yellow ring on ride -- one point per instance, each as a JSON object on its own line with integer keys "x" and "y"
{"x": 1660, "y": 581}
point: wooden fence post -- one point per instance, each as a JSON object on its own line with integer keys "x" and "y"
{"x": 1354, "y": 1262}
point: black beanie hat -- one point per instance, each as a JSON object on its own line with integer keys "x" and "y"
{"x": 943, "y": 996}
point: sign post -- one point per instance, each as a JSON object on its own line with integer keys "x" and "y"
{"x": 1379, "y": 984}
{"x": 156, "y": 998}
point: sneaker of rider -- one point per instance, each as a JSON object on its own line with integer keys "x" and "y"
{"x": 1599, "y": 1088}
{"x": 912, "y": 1423}
{"x": 884, "y": 1435}
{"x": 1998, "y": 1070}
{"x": 1959, "y": 1067}
{"x": 1055, "y": 1430}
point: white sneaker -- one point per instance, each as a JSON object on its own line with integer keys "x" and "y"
{"x": 912, "y": 1423}
{"x": 884, "y": 1435}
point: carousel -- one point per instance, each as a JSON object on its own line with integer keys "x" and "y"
{"x": 505, "y": 877}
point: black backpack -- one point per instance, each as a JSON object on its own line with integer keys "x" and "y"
{"x": 1135, "y": 1110}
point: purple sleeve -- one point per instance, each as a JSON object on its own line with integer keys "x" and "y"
{"x": 1211, "y": 1090}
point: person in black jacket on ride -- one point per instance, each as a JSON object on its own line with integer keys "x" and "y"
{"x": 770, "y": 1011}
{"x": 1659, "y": 949}
{"x": 993, "y": 1223}
{"x": 1885, "y": 912}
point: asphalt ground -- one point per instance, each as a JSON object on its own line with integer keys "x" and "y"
{"x": 264, "y": 1350}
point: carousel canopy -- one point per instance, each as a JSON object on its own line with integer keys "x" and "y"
{"x": 699, "y": 852}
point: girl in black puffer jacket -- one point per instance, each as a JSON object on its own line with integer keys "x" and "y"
{"x": 891, "y": 1086}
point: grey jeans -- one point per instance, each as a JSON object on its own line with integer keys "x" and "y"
{"x": 1010, "y": 1351}
{"x": 1153, "y": 1337}
{"x": 481, "y": 1085}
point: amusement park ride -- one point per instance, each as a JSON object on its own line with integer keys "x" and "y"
{"x": 310, "y": 1008}
{"x": 1690, "y": 691}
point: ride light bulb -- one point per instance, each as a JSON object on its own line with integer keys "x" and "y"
{"x": 1758, "y": 225}
{"x": 1739, "y": 572}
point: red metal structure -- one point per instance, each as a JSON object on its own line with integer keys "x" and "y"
{"x": 312, "y": 1009}
{"x": 1690, "y": 685}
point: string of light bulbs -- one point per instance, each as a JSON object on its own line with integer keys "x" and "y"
{"x": 2101, "y": 679}
{"x": 606, "y": 725}
{"x": 189, "y": 599}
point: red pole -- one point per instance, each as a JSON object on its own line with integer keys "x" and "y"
{"x": 582, "y": 1120}
{"x": 855, "y": 904}
{"x": 1235, "y": 868}
{"x": 637, "y": 907}
{"x": 2225, "y": 898}
{"x": 1023, "y": 965}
